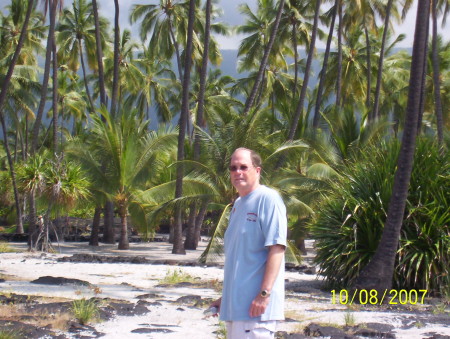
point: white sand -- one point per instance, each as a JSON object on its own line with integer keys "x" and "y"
{"x": 128, "y": 281}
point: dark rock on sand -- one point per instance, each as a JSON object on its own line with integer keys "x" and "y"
{"x": 13, "y": 299}
{"x": 49, "y": 308}
{"x": 149, "y": 296}
{"x": 28, "y": 331}
{"x": 126, "y": 309}
{"x": 316, "y": 330}
{"x": 433, "y": 335}
{"x": 48, "y": 280}
{"x": 189, "y": 300}
{"x": 376, "y": 330}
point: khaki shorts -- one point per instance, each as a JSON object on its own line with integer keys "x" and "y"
{"x": 251, "y": 329}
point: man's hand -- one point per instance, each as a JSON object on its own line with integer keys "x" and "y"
{"x": 216, "y": 304}
{"x": 258, "y": 306}
{"x": 274, "y": 260}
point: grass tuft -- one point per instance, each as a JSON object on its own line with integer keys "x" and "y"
{"x": 84, "y": 310}
{"x": 176, "y": 276}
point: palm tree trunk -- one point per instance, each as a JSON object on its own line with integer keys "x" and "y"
{"x": 203, "y": 71}
{"x": 376, "y": 106}
{"x": 436, "y": 79}
{"x": 199, "y": 221}
{"x": 4, "y": 90}
{"x": 379, "y": 272}
{"x": 295, "y": 47}
{"x": 424, "y": 79}
{"x": 93, "y": 241}
{"x": 115, "y": 88}
{"x": 123, "y": 241}
{"x": 109, "y": 236}
{"x": 324, "y": 68}
{"x": 83, "y": 67}
{"x": 32, "y": 231}
{"x": 40, "y": 111}
{"x": 55, "y": 98}
{"x": 369, "y": 65}
{"x": 301, "y": 102}
{"x": 177, "y": 49}
{"x": 339, "y": 71}
{"x": 190, "y": 243}
{"x": 178, "y": 241}
{"x": 251, "y": 98}
{"x": 101, "y": 75}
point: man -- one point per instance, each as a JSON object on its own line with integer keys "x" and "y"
{"x": 253, "y": 289}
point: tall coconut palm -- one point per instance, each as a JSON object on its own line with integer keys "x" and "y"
{"x": 99, "y": 53}
{"x": 162, "y": 20}
{"x": 323, "y": 72}
{"x": 128, "y": 75}
{"x": 178, "y": 247}
{"x": 147, "y": 84}
{"x": 11, "y": 26}
{"x": 6, "y": 81}
{"x": 374, "y": 113}
{"x": 251, "y": 98}
{"x": 76, "y": 39}
{"x": 191, "y": 234}
{"x": 295, "y": 26}
{"x": 301, "y": 101}
{"x": 379, "y": 272}
{"x": 52, "y": 6}
{"x": 116, "y": 69}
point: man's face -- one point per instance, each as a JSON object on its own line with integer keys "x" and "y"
{"x": 244, "y": 176}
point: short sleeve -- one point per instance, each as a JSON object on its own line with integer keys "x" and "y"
{"x": 274, "y": 220}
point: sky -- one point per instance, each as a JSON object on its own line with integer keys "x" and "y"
{"x": 232, "y": 16}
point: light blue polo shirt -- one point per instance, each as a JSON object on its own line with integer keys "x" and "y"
{"x": 257, "y": 220}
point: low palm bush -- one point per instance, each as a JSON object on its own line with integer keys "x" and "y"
{"x": 350, "y": 221}
{"x": 85, "y": 310}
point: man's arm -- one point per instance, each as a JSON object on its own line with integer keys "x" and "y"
{"x": 274, "y": 259}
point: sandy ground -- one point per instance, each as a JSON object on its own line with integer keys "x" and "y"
{"x": 128, "y": 281}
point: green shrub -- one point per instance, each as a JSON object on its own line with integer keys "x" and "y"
{"x": 85, "y": 310}
{"x": 350, "y": 221}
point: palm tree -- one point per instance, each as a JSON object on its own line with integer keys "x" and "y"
{"x": 147, "y": 84}
{"x": 374, "y": 114}
{"x": 119, "y": 156}
{"x": 11, "y": 26}
{"x": 164, "y": 40}
{"x": 129, "y": 76}
{"x": 52, "y": 5}
{"x": 379, "y": 272}
{"x": 251, "y": 98}
{"x": 4, "y": 90}
{"x": 301, "y": 102}
{"x": 99, "y": 53}
{"x": 76, "y": 39}
{"x": 325, "y": 65}
{"x": 178, "y": 247}
{"x": 116, "y": 71}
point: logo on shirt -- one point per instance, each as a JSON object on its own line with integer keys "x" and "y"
{"x": 252, "y": 217}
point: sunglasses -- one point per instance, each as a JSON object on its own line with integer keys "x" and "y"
{"x": 242, "y": 168}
